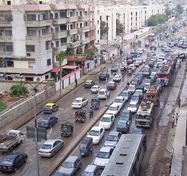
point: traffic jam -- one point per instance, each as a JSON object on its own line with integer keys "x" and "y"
{"x": 131, "y": 111}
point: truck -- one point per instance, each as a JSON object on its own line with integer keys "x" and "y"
{"x": 144, "y": 116}
{"x": 152, "y": 94}
{"x": 9, "y": 141}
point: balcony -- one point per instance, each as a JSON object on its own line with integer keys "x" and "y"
{"x": 72, "y": 31}
{"x": 38, "y": 23}
{"x": 41, "y": 37}
{"x": 73, "y": 19}
{"x": 85, "y": 41}
{"x": 74, "y": 44}
{"x": 6, "y": 53}
{"x": 4, "y": 23}
{"x": 5, "y": 38}
{"x": 61, "y": 34}
{"x": 86, "y": 29}
{"x": 60, "y": 48}
{"x": 60, "y": 21}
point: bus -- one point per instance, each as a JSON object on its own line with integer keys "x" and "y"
{"x": 127, "y": 156}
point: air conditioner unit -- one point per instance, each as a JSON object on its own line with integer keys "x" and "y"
{"x": 28, "y": 54}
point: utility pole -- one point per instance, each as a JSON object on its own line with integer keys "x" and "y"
{"x": 107, "y": 43}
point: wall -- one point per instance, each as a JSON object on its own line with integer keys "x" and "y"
{"x": 26, "y": 106}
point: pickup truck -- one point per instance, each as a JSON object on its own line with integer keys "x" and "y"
{"x": 11, "y": 140}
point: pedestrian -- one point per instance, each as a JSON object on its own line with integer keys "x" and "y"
{"x": 173, "y": 121}
{"x": 177, "y": 117}
{"x": 75, "y": 82}
{"x": 179, "y": 102}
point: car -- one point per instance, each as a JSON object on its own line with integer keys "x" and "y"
{"x": 50, "y": 147}
{"x": 135, "y": 82}
{"x": 135, "y": 54}
{"x": 94, "y": 89}
{"x": 126, "y": 115}
{"x": 106, "y": 121}
{"x": 117, "y": 78}
{"x": 103, "y": 156}
{"x": 131, "y": 88}
{"x": 136, "y": 130}
{"x": 49, "y": 108}
{"x": 111, "y": 85}
{"x": 125, "y": 94}
{"x": 47, "y": 121}
{"x": 112, "y": 139}
{"x": 133, "y": 107}
{"x": 79, "y": 102}
{"x": 96, "y": 133}
{"x": 57, "y": 173}
{"x": 89, "y": 83}
{"x": 103, "y": 93}
{"x": 120, "y": 100}
{"x": 132, "y": 67}
{"x": 147, "y": 84}
{"x": 103, "y": 76}
{"x": 114, "y": 68}
{"x": 139, "y": 92}
{"x": 135, "y": 99}
{"x": 91, "y": 170}
{"x": 12, "y": 161}
{"x": 70, "y": 166}
{"x": 122, "y": 126}
{"x": 113, "y": 109}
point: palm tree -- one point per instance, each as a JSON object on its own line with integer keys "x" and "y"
{"x": 60, "y": 59}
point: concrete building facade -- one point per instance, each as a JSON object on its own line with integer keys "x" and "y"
{"x": 31, "y": 35}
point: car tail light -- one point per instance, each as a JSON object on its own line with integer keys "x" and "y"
{"x": 9, "y": 168}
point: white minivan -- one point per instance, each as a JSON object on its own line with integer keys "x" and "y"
{"x": 103, "y": 93}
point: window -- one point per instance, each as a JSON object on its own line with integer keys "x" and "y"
{"x": 9, "y": 47}
{"x": 48, "y": 62}
{"x": 57, "y": 43}
{"x": 31, "y": 32}
{"x": 97, "y": 21}
{"x": 47, "y": 45}
{"x": 31, "y": 17}
{"x": 30, "y": 48}
{"x": 8, "y": 32}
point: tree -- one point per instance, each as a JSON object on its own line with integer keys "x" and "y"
{"x": 157, "y": 19}
{"x": 18, "y": 90}
{"x": 103, "y": 29}
{"x": 60, "y": 59}
{"x": 90, "y": 52}
{"x": 119, "y": 27}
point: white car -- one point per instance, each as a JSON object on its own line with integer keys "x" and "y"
{"x": 50, "y": 147}
{"x": 79, "y": 102}
{"x": 106, "y": 121}
{"x": 133, "y": 107}
{"x": 96, "y": 133}
{"x": 95, "y": 89}
{"x": 120, "y": 100}
{"x": 113, "y": 109}
{"x": 103, "y": 93}
{"x": 103, "y": 156}
{"x": 117, "y": 78}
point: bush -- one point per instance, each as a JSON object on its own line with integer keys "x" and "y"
{"x": 2, "y": 106}
{"x": 157, "y": 19}
{"x": 18, "y": 90}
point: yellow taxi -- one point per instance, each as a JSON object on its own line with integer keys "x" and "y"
{"x": 50, "y": 108}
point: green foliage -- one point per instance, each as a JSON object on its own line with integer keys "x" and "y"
{"x": 90, "y": 52}
{"x": 119, "y": 27}
{"x": 60, "y": 56}
{"x": 2, "y": 106}
{"x": 103, "y": 28}
{"x": 157, "y": 19}
{"x": 18, "y": 90}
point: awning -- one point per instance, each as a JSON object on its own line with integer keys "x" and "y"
{"x": 56, "y": 69}
{"x": 70, "y": 67}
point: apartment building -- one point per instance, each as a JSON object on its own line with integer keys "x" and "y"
{"x": 32, "y": 33}
{"x": 131, "y": 17}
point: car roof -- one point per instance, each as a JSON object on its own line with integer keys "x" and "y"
{"x": 95, "y": 86}
{"x": 89, "y": 81}
{"x": 119, "y": 97}
{"x": 114, "y": 105}
{"x": 96, "y": 128}
{"x": 114, "y": 133}
{"x": 72, "y": 158}
{"x": 51, "y": 141}
{"x": 50, "y": 104}
{"x": 103, "y": 89}
{"x": 90, "y": 168}
{"x": 107, "y": 115}
{"x": 105, "y": 149}
{"x": 79, "y": 98}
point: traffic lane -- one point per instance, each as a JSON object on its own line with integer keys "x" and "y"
{"x": 52, "y": 133}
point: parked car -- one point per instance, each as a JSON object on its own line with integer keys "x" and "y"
{"x": 91, "y": 170}
{"x": 94, "y": 89}
{"x": 96, "y": 133}
{"x": 125, "y": 94}
{"x": 106, "y": 121}
{"x": 13, "y": 161}
{"x": 103, "y": 156}
{"x": 117, "y": 78}
{"x": 133, "y": 107}
{"x": 131, "y": 88}
{"x": 89, "y": 83}
{"x": 135, "y": 99}
{"x": 70, "y": 166}
{"x": 50, "y": 108}
{"x": 112, "y": 139}
{"x": 103, "y": 94}
{"x": 113, "y": 109}
{"x": 50, "y": 147}
{"x": 47, "y": 121}
{"x": 114, "y": 68}
{"x": 79, "y": 102}
{"x": 120, "y": 100}
{"x": 86, "y": 146}
{"x": 103, "y": 76}
{"x": 111, "y": 85}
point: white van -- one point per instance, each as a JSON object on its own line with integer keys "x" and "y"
{"x": 103, "y": 93}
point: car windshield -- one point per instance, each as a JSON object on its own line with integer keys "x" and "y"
{"x": 125, "y": 113}
{"x": 104, "y": 155}
{"x": 134, "y": 98}
{"x": 118, "y": 100}
{"x": 111, "y": 84}
{"x": 105, "y": 119}
{"x": 46, "y": 146}
{"x": 113, "y": 108}
{"x": 125, "y": 94}
{"x": 77, "y": 101}
{"x": 111, "y": 138}
{"x": 67, "y": 164}
{"x": 121, "y": 123}
{"x": 8, "y": 160}
{"x": 101, "y": 92}
{"x": 94, "y": 133}
{"x": 47, "y": 107}
{"x": 132, "y": 106}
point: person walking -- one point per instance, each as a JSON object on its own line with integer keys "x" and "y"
{"x": 179, "y": 102}
{"x": 75, "y": 82}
